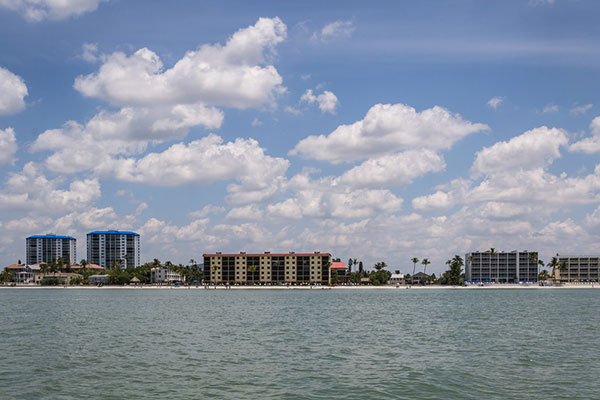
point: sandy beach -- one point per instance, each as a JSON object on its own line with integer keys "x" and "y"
{"x": 365, "y": 287}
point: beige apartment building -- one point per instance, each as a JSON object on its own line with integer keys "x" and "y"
{"x": 267, "y": 268}
{"x": 578, "y": 268}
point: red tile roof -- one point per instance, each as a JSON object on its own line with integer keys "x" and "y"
{"x": 88, "y": 266}
{"x": 15, "y": 266}
{"x": 338, "y": 265}
{"x": 265, "y": 254}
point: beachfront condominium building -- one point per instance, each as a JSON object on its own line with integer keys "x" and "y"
{"x": 111, "y": 249}
{"x": 267, "y": 268}
{"x": 49, "y": 248}
{"x": 577, "y": 268}
{"x": 512, "y": 267}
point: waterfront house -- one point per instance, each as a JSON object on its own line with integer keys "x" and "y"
{"x": 63, "y": 278}
{"x": 339, "y": 272}
{"x": 165, "y": 275}
{"x": 24, "y": 273}
{"x": 419, "y": 277}
{"x": 396, "y": 279}
{"x": 99, "y": 279}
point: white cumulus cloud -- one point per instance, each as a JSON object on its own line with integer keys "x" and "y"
{"x": 388, "y": 128}
{"x": 394, "y": 169}
{"x": 37, "y": 10}
{"x": 233, "y": 75}
{"x": 590, "y": 144}
{"x": 12, "y": 92}
{"x": 327, "y": 101}
{"x": 200, "y": 162}
{"x": 8, "y": 145}
{"x": 30, "y": 190}
{"x": 536, "y": 148}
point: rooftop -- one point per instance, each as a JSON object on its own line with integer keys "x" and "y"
{"x": 51, "y": 237}
{"x": 265, "y": 254}
{"x": 113, "y": 232}
{"x": 338, "y": 265}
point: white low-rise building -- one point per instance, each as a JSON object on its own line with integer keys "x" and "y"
{"x": 165, "y": 275}
{"x": 396, "y": 279}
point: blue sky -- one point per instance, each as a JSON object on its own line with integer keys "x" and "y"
{"x": 379, "y": 132}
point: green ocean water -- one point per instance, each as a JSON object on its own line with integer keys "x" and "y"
{"x": 291, "y": 344}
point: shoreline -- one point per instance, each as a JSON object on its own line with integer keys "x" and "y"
{"x": 221, "y": 287}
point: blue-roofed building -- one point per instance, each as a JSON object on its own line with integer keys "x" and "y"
{"x": 49, "y": 248}
{"x": 113, "y": 248}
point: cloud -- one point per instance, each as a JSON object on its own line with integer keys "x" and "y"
{"x": 495, "y": 102}
{"x": 233, "y": 75}
{"x": 206, "y": 210}
{"x": 79, "y": 147}
{"x": 514, "y": 181}
{"x": 90, "y": 52}
{"x": 535, "y": 3}
{"x": 30, "y": 190}
{"x": 90, "y": 219}
{"x": 38, "y": 10}
{"x": 388, "y": 128}
{"x": 337, "y": 29}
{"x": 550, "y": 108}
{"x": 201, "y": 162}
{"x": 327, "y": 197}
{"x": 250, "y": 211}
{"x": 536, "y": 148}
{"x": 12, "y": 92}
{"x": 8, "y": 145}
{"x": 327, "y": 101}
{"x": 256, "y": 122}
{"x": 436, "y": 201}
{"x": 292, "y": 110}
{"x": 590, "y": 144}
{"x": 394, "y": 169}
{"x": 579, "y": 110}
{"x": 159, "y": 104}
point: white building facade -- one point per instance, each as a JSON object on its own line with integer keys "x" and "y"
{"x": 49, "y": 248}
{"x": 165, "y": 275}
{"x": 502, "y": 267}
{"x": 113, "y": 248}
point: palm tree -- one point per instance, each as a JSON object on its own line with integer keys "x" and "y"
{"x": 533, "y": 259}
{"x": 60, "y": 263}
{"x": 425, "y": 263}
{"x": 554, "y": 265}
{"x": 252, "y": 269}
{"x": 563, "y": 267}
{"x": 44, "y": 268}
{"x": 84, "y": 270}
{"x": 53, "y": 267}
{"x": 492, "y": 254}
{"x": 380, "y": 265}
{"x": 414, "y": 260}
